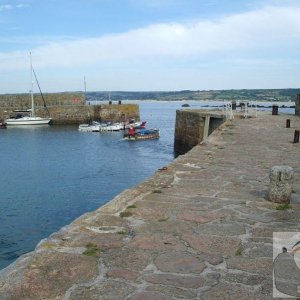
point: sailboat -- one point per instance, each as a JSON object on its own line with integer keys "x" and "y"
{"x": 32, "y": 119}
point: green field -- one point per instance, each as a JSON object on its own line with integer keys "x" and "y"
{"x": 281, "y": 95}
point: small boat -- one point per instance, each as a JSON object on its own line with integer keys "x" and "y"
{"x": 2, "y": 125}
{"x": 92, "y": 127}
{"x": 32, "y": 119}
{"x": 143, "y": 134}
{"x": 111, "y": 127}
{"x": 136, "y": 125}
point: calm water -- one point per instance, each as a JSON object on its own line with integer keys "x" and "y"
{"x": 53, "y": 174}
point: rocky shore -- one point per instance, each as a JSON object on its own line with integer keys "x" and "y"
{"x": 199, "y": 228}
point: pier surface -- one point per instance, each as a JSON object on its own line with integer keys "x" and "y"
{"x": 200, "y": 228}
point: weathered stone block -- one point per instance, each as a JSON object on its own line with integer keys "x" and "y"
{"x": 281, "y": 180}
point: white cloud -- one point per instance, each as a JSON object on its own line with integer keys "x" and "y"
{"x": 5, "y": 7}
{"x": 22, "y": 5}
{"x": 263, "y": 35}
{"x": 266, "y": 30}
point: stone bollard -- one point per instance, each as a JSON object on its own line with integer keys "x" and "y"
{"x": 281, "y": 180}
{"x": 233, "y": 105}
{"x": 296, "y": 136}
{"x": 275, "y": 110}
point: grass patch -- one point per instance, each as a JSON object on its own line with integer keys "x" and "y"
{"x": 283, "y": 206}
{"x": 157, "y": 191}
{"x": 125, "y": 214}
{"x": 239, "y": 251}
{"x": 48, "y": 245}
{"x": 92, "y": 250}
{"x": 227, "y": 133}
{"x": 123, "y": 232}
{"x": 131, "y": 206}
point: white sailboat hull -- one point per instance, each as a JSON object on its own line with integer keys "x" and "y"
{"x": 32, "y": 119}
{"x": 28, "y": 121}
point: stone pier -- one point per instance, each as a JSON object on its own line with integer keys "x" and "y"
{"x": 67, "y": 108}
{"x": 199, "y": 228}
{"x": 194, "y": 126}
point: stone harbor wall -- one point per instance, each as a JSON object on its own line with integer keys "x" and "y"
{"x": 67, "y": 108}
{"x": 193, "y": 126}
{"x": 199, "y": 228}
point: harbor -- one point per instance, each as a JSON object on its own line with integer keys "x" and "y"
{"x": 200, "y": 228}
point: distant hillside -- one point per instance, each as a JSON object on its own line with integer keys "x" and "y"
{"x": 251, "y": 95}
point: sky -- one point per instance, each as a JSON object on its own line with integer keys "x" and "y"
{"x": 149, "y": 45}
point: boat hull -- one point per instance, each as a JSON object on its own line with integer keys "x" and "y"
{"x": 88, "y": 128}
{"x": 151, "y": 134}
{"x": 28, "y": 121}
{"x": 111, "y": 127}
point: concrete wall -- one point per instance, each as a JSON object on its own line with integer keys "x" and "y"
{"x": 192, "y": 127}
{"x": 67, "y": 108}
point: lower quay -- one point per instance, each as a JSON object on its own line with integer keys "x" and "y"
{"x": 200, "y": 228}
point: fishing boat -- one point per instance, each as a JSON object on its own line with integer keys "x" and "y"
{"x": 32, "y": 119}
{"x": 143, "y": 134}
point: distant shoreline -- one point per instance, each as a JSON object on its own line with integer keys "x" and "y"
{"x": 270, "y": 95}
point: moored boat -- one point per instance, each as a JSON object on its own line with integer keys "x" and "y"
{"x": 143, "y": 134}
{"x": 93, "y": 127}
{"x": 32, "y": 119}
{"x": 2, "y": 125}
{"x": 111, "y": 127}
{"x": 136, "y": 125}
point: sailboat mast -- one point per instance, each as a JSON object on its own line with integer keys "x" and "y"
{"x": 31, "y": 91}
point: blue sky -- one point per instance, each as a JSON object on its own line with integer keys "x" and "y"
{"x": 145, "y": 45}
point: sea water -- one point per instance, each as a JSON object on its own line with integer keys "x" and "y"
{"x": 50, "y": 175}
